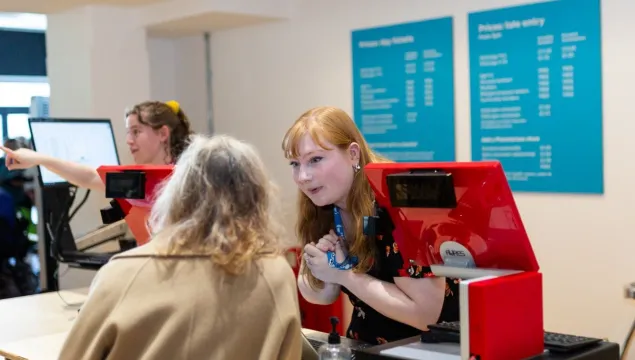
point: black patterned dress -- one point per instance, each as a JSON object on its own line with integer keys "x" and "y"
{"x": 370, "y": 326}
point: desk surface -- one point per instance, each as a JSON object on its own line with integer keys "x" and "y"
{"x": 31, "y": 326}
{"x": 35, "y": 327}
{"x": 412, "y": 348}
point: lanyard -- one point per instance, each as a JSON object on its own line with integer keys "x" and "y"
{"x": 339, "y": 226}
{"x": 350, "y": 261}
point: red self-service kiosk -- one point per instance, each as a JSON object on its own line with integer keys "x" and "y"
{"x": 461, "y": 220}
{"x": 134, "y": 187}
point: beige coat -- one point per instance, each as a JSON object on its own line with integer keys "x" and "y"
{"x": 143, "y": 306}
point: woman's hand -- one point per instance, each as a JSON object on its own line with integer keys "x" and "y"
{"x": 327, "y": 242}
{"x": 331, "y": 242}
{"x": 21, "y": 158}
{"x": 317, "y": 262}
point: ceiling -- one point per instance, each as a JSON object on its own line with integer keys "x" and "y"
{"x": 29, "y": 14}
{"x": 196, "y": 24}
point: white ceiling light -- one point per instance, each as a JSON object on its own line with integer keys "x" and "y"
{"x": 23, "y": 21}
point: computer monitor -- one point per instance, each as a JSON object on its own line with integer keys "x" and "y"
{"x": 86, "y": 141}
{"x": 459, "y": 215}
{"x": 135, "y": 188}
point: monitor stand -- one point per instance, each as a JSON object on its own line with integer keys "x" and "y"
{"x": 54, "y": 200}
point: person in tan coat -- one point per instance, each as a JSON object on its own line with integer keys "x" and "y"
{"x": 211, "y": 284}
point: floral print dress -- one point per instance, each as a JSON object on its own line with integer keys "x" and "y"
{"x": 372, "y": 327}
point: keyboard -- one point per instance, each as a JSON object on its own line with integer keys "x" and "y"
{"x": 95, "y": 261}
{"x": 555, "y": 342}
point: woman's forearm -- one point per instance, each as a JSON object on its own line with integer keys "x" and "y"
{"x": 325, "y": 296}
{"x": 389, "y": 300}
{"x": 77, "y": 174}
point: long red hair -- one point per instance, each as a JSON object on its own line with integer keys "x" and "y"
{"x": 335, "y": 126}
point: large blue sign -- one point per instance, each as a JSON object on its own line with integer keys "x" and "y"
{"x": 403, "y": 89}
{"x": 536, "y": 94}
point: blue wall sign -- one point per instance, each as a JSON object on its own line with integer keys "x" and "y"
{"x": 536, "y": 94}
{"x": 403, "y": 89}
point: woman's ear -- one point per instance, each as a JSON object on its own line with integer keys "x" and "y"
{"x": 164, "y": 133}
{"x": 355, "y": 152}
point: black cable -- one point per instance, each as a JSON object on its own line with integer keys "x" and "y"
{"x": 62, "y": 221}
{"x": 81, "y": 203}
{"x": 58, "y": 278}
{"x": 627, "y": 342}
{"x": 59, "y": 227}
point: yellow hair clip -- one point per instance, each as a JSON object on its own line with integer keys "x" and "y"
{"x": 174, "y": 105}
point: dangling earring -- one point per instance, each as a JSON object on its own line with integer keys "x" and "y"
{"x": 356, "y": 168}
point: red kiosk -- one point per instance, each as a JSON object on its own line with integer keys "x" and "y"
{"x": 133, "y": 186}
{"x": 461, "y": 220}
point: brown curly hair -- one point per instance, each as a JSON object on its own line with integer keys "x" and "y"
{"x": 157, "y": 114}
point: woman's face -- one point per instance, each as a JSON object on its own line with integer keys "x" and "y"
{"x": 146, "y": 144}
{"x": 325, "y": 176}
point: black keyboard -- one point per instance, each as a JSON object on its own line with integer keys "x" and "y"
{"x": 555, "y": 342}
{"x": 94, "y": 262}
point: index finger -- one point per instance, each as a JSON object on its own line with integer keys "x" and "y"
{"x": 331, "y": 236}
{"x": 311, "y": 250}
{"x": 6, "y": 149}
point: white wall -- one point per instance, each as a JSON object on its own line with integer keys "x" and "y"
{"x": 265, "y": 76}
{"x": 177, "y": 71}
{"x": 162, "y": 54}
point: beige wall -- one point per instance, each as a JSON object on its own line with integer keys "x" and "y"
{"x": 265, "y": 76}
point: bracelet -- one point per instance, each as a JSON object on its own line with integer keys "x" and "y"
{"x": 347, "y": 264}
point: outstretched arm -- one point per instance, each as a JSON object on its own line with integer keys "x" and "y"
{"x": 77, "y": 174}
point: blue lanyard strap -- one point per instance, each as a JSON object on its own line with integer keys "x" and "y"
{"x": 350, "y": 261}
{"x": 339, "y": 225}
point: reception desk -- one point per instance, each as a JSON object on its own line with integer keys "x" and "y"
{"x": 412, "y": 348}
{"x": 35, "y": 327}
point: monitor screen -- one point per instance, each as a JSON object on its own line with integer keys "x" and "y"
{"x": 85, "y": 141}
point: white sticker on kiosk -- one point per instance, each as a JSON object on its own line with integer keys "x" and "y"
{"x": 452, "y": 251}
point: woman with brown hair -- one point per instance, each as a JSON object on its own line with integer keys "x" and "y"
{"x": 327, "y": 152}
{"x": 157, "y": 134}
{"x": 213, "y": 282}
